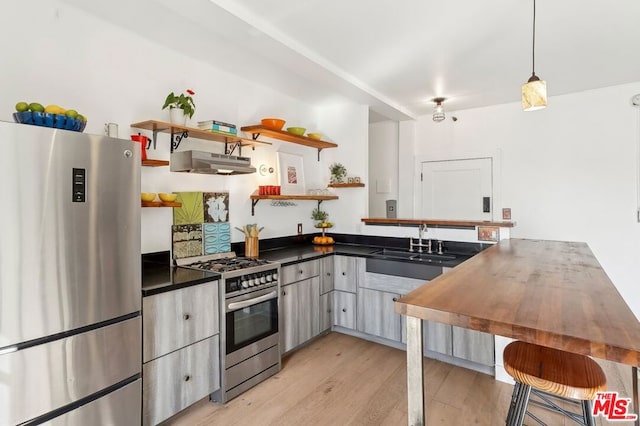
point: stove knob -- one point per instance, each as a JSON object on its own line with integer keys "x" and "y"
{"x": 275, "y": 276}
{"x": 263, "y": 279}
{"x": 256, "y": 281}
{"x": 269, "y": 278}
{"x": 245, "y": 284}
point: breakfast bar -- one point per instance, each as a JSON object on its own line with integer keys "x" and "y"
{"x": 549, "y": 293}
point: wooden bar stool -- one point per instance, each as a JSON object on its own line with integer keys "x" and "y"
{"x": 551, "y": 374}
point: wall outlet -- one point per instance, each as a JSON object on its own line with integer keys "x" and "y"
{"x": 299, "y": 229}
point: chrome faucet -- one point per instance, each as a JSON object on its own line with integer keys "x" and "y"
{"x": 422, "y": 228}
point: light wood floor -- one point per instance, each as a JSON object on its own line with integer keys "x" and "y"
{"x": 342, "y": 380}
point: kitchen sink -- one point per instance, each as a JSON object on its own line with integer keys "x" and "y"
{"x": 395, "y": 253}
{"x": 412, "y": 255}
{"x": 433, "y": 256}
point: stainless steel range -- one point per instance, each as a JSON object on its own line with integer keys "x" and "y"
{"x": 249, "y": 320}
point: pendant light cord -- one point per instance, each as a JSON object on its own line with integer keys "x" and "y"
{"x": 533, "y": 50}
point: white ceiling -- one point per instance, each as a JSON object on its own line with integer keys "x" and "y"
{"x": 397, "y": 55}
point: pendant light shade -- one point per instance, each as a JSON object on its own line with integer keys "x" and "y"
{"x": 438, "y": 111}
{"x": 534, "y": 94}
{"x": 534, "y": 91}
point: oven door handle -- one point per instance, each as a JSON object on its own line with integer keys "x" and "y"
{"x": 239, "y": 305}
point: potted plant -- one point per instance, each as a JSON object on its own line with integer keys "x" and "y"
{"x": 321, "y": 218}
{"x": 180, "y": 107}
{"x": 338, "y": 173}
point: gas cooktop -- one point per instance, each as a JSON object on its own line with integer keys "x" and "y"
{"x": 222, "y": 263}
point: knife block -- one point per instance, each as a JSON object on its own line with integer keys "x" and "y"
{"x": 251, "y": 247}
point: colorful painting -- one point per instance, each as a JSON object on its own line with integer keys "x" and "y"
{"x": 217, "y": 238}
{"x": 186, "y": 240}
{"x": 290, "y": 174}
{"x": 488, "y": 233}
{"x": 192, "y": 210}
{"x": 216, "y": 207}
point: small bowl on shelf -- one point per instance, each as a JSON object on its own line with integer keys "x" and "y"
{"x": 316, "y": 136}
{"x": 273, "y": 123}
{"x": 167, "y": 198}
{"x": 147, "y": 196}
{"x": 298, "y": 131}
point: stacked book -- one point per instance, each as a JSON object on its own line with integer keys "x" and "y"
{"x": 218, "y": 127}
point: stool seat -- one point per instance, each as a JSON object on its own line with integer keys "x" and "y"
{"x": 554, "y": 371}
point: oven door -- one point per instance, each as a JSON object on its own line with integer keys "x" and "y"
{"x": 250, "y": 318}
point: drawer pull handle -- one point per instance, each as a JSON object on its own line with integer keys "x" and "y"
{"x": 328, "y": 274}
{"x": 344, "y": 309}
{"x": 301, "y": 271}
{"x": 187, "y": 378}
{"x": 284, "y": 293}
{"x": 395, "y": 299}
{"x": 344, "y": 273}
{"x": 186, "y": 317}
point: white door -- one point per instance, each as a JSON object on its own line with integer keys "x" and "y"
{"x": 457, "y": 189}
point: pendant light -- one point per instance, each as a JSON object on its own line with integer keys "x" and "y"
{"x": 534, "y": 91}
{"x": 438, "y": 111}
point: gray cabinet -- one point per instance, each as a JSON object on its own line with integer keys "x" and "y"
{"x": 173, "y": 382}
{"x": 326, "y": 311}
{"x": 326, "y": 274}
{"x": 437, "y": 337}
{"x": 174, "y": 319}
{"x": 376, "y": 314}
{"x": 473, "y": 345}
{"x": 345, "y": 276}
{"x": 181, "y": 350}
{"x": 300, "y": 311}
{"x": 344, "y": 309}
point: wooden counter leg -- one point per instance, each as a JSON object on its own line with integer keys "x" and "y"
{"x": 415, "y": 373}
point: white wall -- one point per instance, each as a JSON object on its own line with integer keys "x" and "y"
{"x": 568, "y": 172}
{"x": 383, "y": 162}
{"x": 54, "y": 53}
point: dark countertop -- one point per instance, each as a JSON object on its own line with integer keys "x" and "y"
{"x": 301, "y": 253}
{"x": 159, "y": 277}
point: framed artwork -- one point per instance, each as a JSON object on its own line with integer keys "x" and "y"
{"x": 290, "y": 174}
{"x": 488, "y": 233}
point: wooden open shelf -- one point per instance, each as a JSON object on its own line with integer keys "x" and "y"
{"x": 160, "y": 204}
{"x": 319, "y": 198}
{"x": 436, "y": 222}
{"x": 294, "y": 197}
{"x": 154, "y": 163}
{"x": 346, "y": 185}
{"x": 258, "y": 130}
{"x": 182, "y": 131}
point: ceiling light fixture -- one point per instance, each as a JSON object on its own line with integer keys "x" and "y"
{"x": 438, "y": 111}
{"x": 534, "y": 91}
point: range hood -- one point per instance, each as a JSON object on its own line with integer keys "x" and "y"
{"x": 209, "y": 163}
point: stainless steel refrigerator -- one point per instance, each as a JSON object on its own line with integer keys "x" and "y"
{"x": 70, "y": 325}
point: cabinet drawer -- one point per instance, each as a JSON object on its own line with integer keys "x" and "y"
{"x": 175, "y": 381}
{"x": 300, "y": 271}
{"x": 179, "y": 318}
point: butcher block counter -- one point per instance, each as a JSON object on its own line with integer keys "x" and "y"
{"x": 549, "y": 293}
